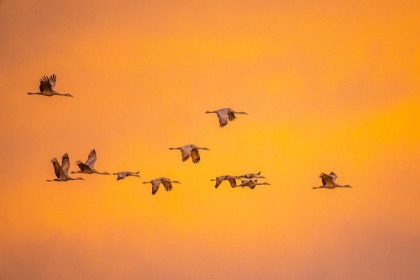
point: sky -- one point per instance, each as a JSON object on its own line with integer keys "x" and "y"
{"x": 328, "y": 86}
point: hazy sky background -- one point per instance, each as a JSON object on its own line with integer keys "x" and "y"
{"x": 329, "y": 86}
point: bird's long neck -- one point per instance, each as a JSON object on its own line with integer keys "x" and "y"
{"x": 61, "y": 94}
{"x": 339, "y": 186}
{"x": 78, "y": 178}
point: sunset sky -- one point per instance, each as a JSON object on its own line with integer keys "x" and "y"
{"x": 327, "y": 85}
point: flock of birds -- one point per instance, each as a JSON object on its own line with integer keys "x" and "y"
{"x": 250, "y": 180}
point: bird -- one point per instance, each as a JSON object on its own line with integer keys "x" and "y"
{"x": 252, "y": 175}
{"x": 328, "y": 182}
{"x": 190, "y": 150}
{"x": 123, "y": 174}
{"x": 88, "y": 166}
{"x": 167, "y": 184}
{"x": 220, "y": 179}
{"x": 46, "y": 87}
{"x": 225, "y": 115}
{"x": 61, "y": 172}
{"x": 251, "y": 183}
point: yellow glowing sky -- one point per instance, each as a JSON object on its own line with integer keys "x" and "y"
{"x": 328, "y": 86}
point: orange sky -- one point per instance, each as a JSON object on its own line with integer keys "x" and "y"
{"x": 331, "y": 86}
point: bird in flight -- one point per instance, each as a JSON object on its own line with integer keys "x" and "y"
{"x": 123, "y": 174}
{"x": 225, "y": 115}
{"x": 190, "y": 150}
{"x": 328, "y": 182}
{"x": 46, "y": 87}
{"x": 167, "y": 184}
{"x": 251, "y": 183}
{"x": 252, "y": 175}
{"x": 220, "y": 179}
{"x": 62, "y": 171}
{"x": 88, "y": 166}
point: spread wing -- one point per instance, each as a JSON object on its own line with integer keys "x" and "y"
{"x": 195, "y": 156}
{"x": 52, "y": 80}
{"x": 121, "y": 175}
{"x": 167, "y": 184}
{"x": 44, "y": 84}
{"x": 155, "y": 185}
{"x": 185, "y": 153}
{"x": 91, "y": 159}
{"x": 232, "y": 182}
{"x": 82, "y": 166}
{"x": 248, "y": 182}
{"x": 231, "y": 116}
{"x": 223, "y": 117}
{"x": 333, "y": 176}
{"x": 326, "y": 179}
{"x": 65, "y": 164}
{"x": 219, "y": 180}
{"x": 57, "y": 169}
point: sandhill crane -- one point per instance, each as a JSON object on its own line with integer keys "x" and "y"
{"x": 46, "y": 87}
{"x": 61, "y": 172}
{"x": 123, "y": 174}
{"x": 328, "y": 182}
{"x": 252, "y": 175}
{"x": 190, "y": 150}
{"x": 167, "y": 184}
{"x": 225, "y": 115}
{"x": 251, "y": 183}
{"x": 220, "y": 179}
{"x": 88, "y": 166}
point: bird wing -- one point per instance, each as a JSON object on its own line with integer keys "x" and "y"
{"x": 155, "y": 185}
{"x": 65, "y": 164}
{"x": 195, "y": 156}
{"x": 44, "y": 84}
{"x": 121, "y": 175}
{"x": 185, "y": 152}
{"x": 52, "y": 80}
{"x": 326, "y": 179}
{"x": 91, "y": 159}
{"x": 83, "y": 166}
{"x": 232, "y": 182}
{"x": 57, "y": 169}
{"x": 333, "y": 176}
{"x": 167, "y": 184}
{"x": 219, "y": 180}
{"x": 245, "y": 182}
{"x": 223, "y": 117}
{"x": 231, "y": 116}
